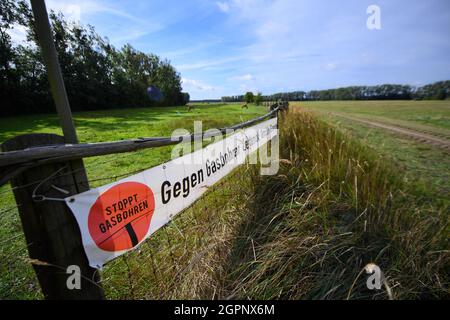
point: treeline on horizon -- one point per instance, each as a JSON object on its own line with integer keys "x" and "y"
{"x": 436, "y": 91}
{"x": 96, "y": 74}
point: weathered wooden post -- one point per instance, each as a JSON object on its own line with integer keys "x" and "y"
{"x": 54, "y": 73}
{"x": 51, "y": 231}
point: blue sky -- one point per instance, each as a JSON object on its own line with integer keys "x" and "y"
{"x": 232, "y": 46}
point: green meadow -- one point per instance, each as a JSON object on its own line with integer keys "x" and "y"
{"x": 98, "y": 126}
{"x": 429, "y": 114}
{"x": 428, "y": 164}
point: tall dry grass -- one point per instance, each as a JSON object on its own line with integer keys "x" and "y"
{"x": 306, "y": 233}
{"x": 334, "y": 207}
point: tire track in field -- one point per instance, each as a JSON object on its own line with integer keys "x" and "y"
{"x": 436, "y": 134}
{"x": 427, "y": 138}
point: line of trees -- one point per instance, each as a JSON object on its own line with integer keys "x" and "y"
{"x": 436, "y": 91}
{"x": 239, "y": 98}
{"x": 96, "y": 74}
{"x": 249, "y": 97}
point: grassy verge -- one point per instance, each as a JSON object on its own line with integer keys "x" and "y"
{"x": 338, "y": 206}
{"x": 306, "y": 233}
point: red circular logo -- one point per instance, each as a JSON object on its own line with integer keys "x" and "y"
{"x": 120, "y": 217}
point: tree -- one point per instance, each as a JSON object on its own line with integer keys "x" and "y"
{"x": 249, "y": 97}
{"x": 239, "y": 98}
{"x": 257, "y": 99}
{"x": 440, "y": 95}
{"x": 10, "y": 14}
{"x": 185, "y": 97}
{"x": 96, "y": 74}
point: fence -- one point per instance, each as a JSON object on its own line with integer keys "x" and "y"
{"x": 41, "y": 167}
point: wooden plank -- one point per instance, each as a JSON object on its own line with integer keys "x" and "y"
{"x": 43, "y": 154}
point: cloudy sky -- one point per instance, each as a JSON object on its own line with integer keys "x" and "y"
{"x": 231, "y": 46}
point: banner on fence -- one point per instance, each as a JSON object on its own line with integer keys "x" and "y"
{"x": 117, "y": 217}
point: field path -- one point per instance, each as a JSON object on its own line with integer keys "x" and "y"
{"x": 427, "y": 138}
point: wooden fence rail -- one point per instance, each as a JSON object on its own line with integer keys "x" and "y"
{"x": 14, "y": 162}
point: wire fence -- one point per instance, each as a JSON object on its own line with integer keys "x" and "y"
{"x": 157, "y": 267}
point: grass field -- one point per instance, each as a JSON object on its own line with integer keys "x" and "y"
{"x": 17, "y": 278}
{"x": 113, "y": 125}
{"x": 343, "y": 198}
{"x": 421, "y": 161}
{"x": 433, "y": 115}
{"x": 339, "y": 205}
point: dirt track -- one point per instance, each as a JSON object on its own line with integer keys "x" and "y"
{"x": 427, "y": 138}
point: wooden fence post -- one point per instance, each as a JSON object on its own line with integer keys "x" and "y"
{"x": 51, "y": 231}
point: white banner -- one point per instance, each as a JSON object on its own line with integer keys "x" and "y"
{"x": 117, "y": 217}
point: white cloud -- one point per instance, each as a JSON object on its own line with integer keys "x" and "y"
{"x": 191, "y": 84}
{"x": 245, "y": 88}
{"x": 282, "y": 49}
{"x": 223, "y": 6}
{"x": 73, "y": 10}
{"x": 207, "y": 63}
{"x": 78, "y": 10}
{"x": 82, "y": 11}
{"x": 244, "y": 77}
{"x": 131, "y": 35}
{"x": 184, "y": 51}
{"x": 18, "y": 34}
{"x": 330, "y": 66}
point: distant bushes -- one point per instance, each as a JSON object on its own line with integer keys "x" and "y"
{"x": 96, "y": 74}
{"x": 436, "y": 91}
{"x": 185, "y": 97}
{"x": 248, "y": 97}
